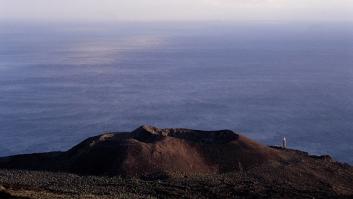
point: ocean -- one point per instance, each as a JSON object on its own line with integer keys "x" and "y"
{"x": 60, "y": 83}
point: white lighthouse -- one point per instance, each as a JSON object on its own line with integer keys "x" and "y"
{"x": 284, "y": 142}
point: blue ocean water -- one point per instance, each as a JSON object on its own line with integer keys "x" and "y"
{"x": 60, "y": 83}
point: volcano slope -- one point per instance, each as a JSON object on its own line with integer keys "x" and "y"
{"x": 154, "y": 162}
{"x": 149, "y": 150}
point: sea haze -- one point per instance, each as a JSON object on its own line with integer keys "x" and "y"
{"x": 61, "y": 83}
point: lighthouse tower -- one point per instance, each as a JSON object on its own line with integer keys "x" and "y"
{"x": 284, "y": 142}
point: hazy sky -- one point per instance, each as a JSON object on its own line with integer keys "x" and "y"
{"x": 152, "y": 10}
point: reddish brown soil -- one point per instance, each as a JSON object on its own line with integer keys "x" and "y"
{"x": 150, "y": 150}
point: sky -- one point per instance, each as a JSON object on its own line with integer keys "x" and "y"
{"x": 179, "y": 10}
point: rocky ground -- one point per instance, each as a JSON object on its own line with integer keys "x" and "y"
{"x": 303, "y": 177}
{"x": 174, "y": 163}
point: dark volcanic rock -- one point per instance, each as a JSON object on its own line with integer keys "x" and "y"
{"x": 150, "y": 134}
{"x": 5, "y": 195}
